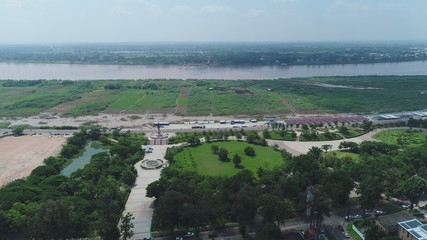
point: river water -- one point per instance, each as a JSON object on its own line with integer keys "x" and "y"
{"x": 30, "y": 71}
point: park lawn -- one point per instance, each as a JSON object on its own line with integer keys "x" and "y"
{"x": 341, "y": 154}
{"x": 354, "y": 132}
{"x": 275, "y": 135}
{"x": 403, "y": 137}
{"x": 203, "y": 161}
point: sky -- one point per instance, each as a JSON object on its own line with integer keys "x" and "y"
{"x": 76, "y": 21}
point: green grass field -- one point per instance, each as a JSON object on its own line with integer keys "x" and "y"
{"x": 218, "y": 97}
{"x": 405, "y": 137}
{"x": 202, "y": 160}
{"x": 354, "y": 156}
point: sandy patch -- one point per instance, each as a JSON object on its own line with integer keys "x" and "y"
{"x": 20, "y": 155}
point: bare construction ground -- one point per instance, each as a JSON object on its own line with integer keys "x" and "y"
{"x": 20, "y": 155}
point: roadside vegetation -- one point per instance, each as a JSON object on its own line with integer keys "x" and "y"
{"x": 217, "y": 97}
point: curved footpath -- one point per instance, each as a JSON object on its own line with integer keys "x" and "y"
{"x": 298, "y": 148}
{"x": 138, "y": 204}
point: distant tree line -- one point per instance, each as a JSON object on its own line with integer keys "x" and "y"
{"x": 216, "y": 54}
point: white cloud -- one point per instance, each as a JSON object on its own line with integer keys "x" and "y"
{"x": 209, "y": 9}
{"x": 181, "y": 8}
{"x": 255, "y": 13}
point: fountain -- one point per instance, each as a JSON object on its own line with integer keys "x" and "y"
{"x": 152, "y": 164}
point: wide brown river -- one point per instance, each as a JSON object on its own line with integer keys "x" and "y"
{"x": 30, "y": 71}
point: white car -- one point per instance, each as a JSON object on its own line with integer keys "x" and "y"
{"x": 346, "y": 235}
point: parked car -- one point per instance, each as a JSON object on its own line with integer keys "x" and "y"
{"x": 405, "y": 206}
{"x": 378, "y": 212}
{"x": 340, "y": 228}
{"x": 346, "y": 235}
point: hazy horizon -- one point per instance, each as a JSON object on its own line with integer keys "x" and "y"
{"x": 219, "y": 21}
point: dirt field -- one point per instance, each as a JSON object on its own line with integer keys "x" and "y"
{"x": 20, "y": 155}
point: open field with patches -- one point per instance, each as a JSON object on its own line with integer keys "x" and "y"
{"x": 202, "y": 160}
{"x": 20, "y": 155}
{"x": 282, "y": 97}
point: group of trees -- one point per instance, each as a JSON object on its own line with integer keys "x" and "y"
{"x": 89, "y": 203}
{"x": 188, "y": 200}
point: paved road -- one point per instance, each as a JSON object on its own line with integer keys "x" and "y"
{"x": 138, "y": 204}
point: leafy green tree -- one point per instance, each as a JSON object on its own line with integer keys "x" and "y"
{"x": 249, "y": 151}
{"x": 18, "y": 130}
{"x": 52, "y": 220}
{"x": 316, "y": 151}
{"x": 109, "y": 201}
{"x": 55, "y": 162}
{"x": 214, "y": 149}
{"x": 19, "y": 216}
{"x": 349, "y": 146}
{"x": 343, "y": 130}
{"x": 223, "y": 154}
{"x": 338, "y": 185}
{"x": 94, "y": 132}
{"x": 266, "y": 133}
{"x": 237, "y": 160}
{"x": 126, "y": 226}
{"x": 370, "y": 192}
{"x": 69, "y": 150}
{"x": 375, "y": 233}
{"x": 326, "y": 147}
{"x": 244, "y": 206}
{"x": 169, "y": 208}
{"x": 413, "y": 188}
{"x": 366, "y": 125}
{"x": 274, "y": 209}
{"x": 193, "y": 141}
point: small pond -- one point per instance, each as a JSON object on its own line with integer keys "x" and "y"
{"x": 91, "y": 149}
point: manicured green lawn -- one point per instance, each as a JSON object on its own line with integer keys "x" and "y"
{"x": 202, "y": 160}
{"x": 278, "y": 135}
{"x": 354, "y": 156}
{"x": 354, "y": 132}
{"x": 403, "y": 137}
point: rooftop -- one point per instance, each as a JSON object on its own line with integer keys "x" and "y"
{"x": 391, "y": 220}
{"x": 416, "y": 228}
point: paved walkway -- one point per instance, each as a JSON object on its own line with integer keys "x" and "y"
{"x": 298, "y": 148}
{"x": 138, "y": 204}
